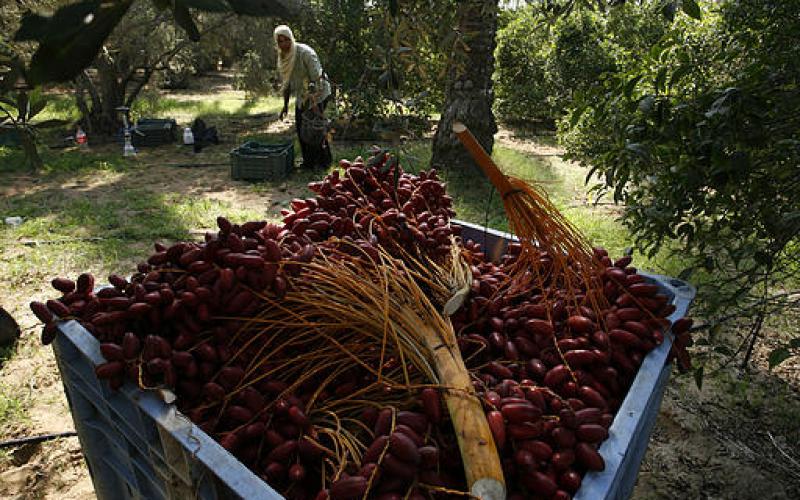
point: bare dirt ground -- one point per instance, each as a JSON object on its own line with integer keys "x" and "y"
{"x": 731, "y": 439}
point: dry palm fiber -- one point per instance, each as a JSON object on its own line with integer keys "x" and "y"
{"x": 358, "y": 311}
{"x": 555, "y": 258}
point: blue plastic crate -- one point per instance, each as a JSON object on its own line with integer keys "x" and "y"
{"x": 137, "y": 446}
{"x": 629, "y": 434}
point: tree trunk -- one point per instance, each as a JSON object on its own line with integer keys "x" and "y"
{"x": 106, "y": 92}
{"x": 469, "y": 93}
{"x": 112, "y": 94}
{"x": 28, "y": 143}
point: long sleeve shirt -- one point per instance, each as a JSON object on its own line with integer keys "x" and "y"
{"x": 307, "y": 69}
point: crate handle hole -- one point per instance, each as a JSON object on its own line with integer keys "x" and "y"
{"x": 678, "y": 283}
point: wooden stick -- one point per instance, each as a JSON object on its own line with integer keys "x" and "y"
{"x": 498, "y": 178}
{"x": 478, "y": 451}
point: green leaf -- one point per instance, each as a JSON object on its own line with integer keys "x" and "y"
{"x": 61, "y": 57}
{"x": 576, "y": 115}
{"x": 778, "y": 356}
{"x": 661, "y": 78}
{"x": 36, "y": 108}
{"x": 65, "y": 23}
{"x": 698, "y": 377}
{"x": 590, "y": 174}
{"x": 655, "y": 50}
{"x": 679, "y": 73}
{"x": 8, "y": 101}
{"x": 184, "y": 19}
{"x": 32, "y": 27}
{"x": 631, "y": 85}
{"x": 691, "y": 9}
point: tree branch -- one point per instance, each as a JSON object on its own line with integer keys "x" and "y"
{"x": 84, "y": 84}
{"x": 164, "y": 58}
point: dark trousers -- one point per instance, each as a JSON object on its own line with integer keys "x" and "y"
{"x": 314, "y": 155}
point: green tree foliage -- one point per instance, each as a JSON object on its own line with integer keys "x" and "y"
{"x": 699, "y": 138}
{"x": 543, "y": 61}
{"x": 71, "y": 37}
{"x": 19, "y": 106}
{"x": 387, "y": 58}
{"x": 146, "y": 46}
{"x": 523, "y": 88}
{"x": 127, "y": 42}
{"x": 254, "y": 77}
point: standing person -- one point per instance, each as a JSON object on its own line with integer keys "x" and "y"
{"x": 303, "y": 78}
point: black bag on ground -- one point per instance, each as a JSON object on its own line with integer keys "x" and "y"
{"x": 203, "y": 135}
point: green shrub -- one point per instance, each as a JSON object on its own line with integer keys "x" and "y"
{"x": 540, "y": 64}
{"x": 253, "y": 77}
{"x": 698, "y": 138}
{"x": 524, "y": 90}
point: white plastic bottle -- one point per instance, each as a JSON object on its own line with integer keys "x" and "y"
{"x": 188, "y": 137}
{"x": 127, "y": 148}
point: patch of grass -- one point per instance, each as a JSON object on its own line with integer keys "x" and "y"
{"x": 60, "y": 107}
{"x": 6, "y": 353}
{"x": 156, "y": 104}
{"x": 185, "y": 108}
{"x": 771, "y": 401}
{"x": 98, "y": 225}
{"x": 58, "y": 161}
{"x": 11, "y": 408}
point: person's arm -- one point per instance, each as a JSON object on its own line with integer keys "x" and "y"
{"x": 314, "y": 72}
{"x": 286, "y": 94}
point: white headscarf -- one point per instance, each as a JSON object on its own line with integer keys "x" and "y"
{"x": 285, "y": 62}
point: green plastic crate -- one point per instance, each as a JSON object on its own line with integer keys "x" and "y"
{"x": 151, "y": 132}
{"x": 255, "y": 161}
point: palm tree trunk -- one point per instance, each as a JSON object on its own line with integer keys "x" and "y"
{"x": 469, "y": 93}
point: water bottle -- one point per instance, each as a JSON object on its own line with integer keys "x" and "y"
{"x": 81, "y": 139}
{"x": 128, "y": 149}
{"x": 188, "y": 137}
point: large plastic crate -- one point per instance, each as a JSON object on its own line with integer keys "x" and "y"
{"x": 629, "y": 434}
{"x": 151, "y": 132}
{"x": 138, "y": 447}
{"x": 262, "y": 162}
